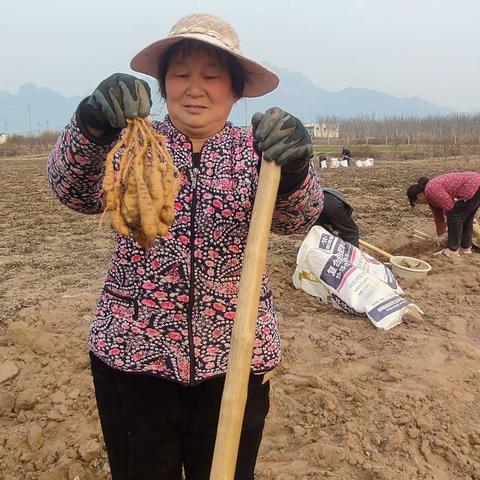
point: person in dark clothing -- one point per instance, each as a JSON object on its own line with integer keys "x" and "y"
{"x": 322, "y": 160}
{"x": 347, "y": 155}
{"x": 337, "y": 216}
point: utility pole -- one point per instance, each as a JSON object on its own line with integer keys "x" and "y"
{"x": 29, "y": 117}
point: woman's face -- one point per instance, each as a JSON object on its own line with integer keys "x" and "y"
{"x": 421, "y": 199}
{"x": 199, "y": 94}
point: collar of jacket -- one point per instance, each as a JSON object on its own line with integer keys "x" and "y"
{"x": 177, "y": 136}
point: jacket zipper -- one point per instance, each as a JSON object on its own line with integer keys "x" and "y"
{"x": 193, "y": 176}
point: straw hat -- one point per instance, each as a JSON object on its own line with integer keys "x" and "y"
{"x": 214, "y": 31}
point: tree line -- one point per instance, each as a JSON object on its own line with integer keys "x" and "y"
{"x": 16, "y": 145}
{"x": 367, "y": 129}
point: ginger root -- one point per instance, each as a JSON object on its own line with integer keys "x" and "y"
{"x": 140, "y": 193}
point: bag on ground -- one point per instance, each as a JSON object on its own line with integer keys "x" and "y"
{"x": 334, "y": 163}
{"x": 350, "y": 280}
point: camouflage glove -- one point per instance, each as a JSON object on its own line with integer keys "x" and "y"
{"x": 117, "y": 98}
{"x": 283, "y": 138}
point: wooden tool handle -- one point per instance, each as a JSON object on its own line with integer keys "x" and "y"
{"x": 375, "y": 249}
{"x": 243, "y": 335}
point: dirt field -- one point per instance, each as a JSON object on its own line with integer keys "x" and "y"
{"x": 349, "y": 402}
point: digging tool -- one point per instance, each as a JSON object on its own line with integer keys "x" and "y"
{"x": 399, "y": 262}
{"x": 375, "y": 249}
{"x": 424, "y": 235}
{"x": 243, "y": 335}
{"x": 419, "y": 237}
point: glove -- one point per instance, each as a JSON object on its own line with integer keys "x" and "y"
{"x": 117, "y": 98}
{"x": 283, "y": 138}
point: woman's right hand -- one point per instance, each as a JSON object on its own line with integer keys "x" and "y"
{"x": 282, "y": 137}
{"x": 118, "y": 97}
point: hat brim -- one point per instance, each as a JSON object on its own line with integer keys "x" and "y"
{"x": 260, "y": 80}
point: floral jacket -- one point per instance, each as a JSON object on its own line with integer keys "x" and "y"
{"x": 168, "y": 310}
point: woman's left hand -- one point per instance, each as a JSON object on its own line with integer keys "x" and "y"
{"x": 283, "y": 138}
{"x": 441, "y": 240}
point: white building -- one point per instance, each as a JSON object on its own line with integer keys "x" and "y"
{"x": 323, "y": 130}
{"x": 3, "y": 138}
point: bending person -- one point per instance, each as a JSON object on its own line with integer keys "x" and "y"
{"x": 454, "y": 199}
{"x": 337, "y": 216}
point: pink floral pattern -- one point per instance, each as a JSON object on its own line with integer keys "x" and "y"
{"x": 151, "y": 317}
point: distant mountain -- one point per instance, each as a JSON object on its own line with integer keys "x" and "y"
{"x": 37, "y": 108}
{"x": 300, "y": 96}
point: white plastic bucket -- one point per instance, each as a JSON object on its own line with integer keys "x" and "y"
{"x": 409, "y": 267}
{"x": 476, "y": 235}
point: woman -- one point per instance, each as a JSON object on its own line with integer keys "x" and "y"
{"x": 455, "y": 196}
{"x": 160, "y": 335}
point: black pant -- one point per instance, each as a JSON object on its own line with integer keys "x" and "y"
{"x": 153, "y": 426}
{"x": 460, "y": 222}
{"x": 337, "y": 215}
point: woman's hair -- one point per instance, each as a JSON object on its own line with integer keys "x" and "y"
{"x": 422, "y": 182}
{"x": 415, "y": 189}
{"x": 238, "y": 76}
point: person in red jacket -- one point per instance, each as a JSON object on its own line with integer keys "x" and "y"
{"x": 160, "y": 335}
{"x": 454, "y": 199}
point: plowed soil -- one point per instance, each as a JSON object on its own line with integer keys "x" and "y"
{"x": 349, "y": 402}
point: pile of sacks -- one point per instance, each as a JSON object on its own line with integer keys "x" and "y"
{"x": 369, "y": 162}
{"x": 350, "y": 280}
{"x": 336, "y": 163}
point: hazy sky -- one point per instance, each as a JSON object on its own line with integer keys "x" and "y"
{"x": 425, "y": 48}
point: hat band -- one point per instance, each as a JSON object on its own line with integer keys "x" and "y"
{"x": 230, "y": 45}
